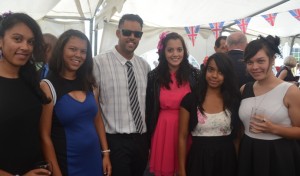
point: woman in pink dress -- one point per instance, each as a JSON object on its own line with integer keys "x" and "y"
{"x": 171, "y": 80}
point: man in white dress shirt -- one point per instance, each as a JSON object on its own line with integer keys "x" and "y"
{"x": 128, "y": 146}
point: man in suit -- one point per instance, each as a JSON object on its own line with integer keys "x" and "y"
{"x": 236, "y": 44}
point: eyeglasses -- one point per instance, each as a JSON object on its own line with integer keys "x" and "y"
{"x": 127, "y": 33}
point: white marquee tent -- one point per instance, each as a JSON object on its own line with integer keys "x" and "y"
{"x": 56, "y": 16}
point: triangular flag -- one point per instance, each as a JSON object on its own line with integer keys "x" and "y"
{"x": 216, "y": 28}
{"x": 295, "y": 13}
{"x": 192, "y": 32}
{"x": 243, "y": 24}
{"x": 270, "y": 18}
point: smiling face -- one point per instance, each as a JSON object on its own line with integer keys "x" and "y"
{"x": 127, "y": 44}
{"x": 17, "y": 45}
{"x": 74, "y": 54}
{"x": 214, "y": 76}
{"x": 259, "y": 66}
{"x": 174, "y": 53}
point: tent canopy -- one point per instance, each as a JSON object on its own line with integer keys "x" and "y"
{"x": 159, "y": 15}
{"x": 182, "y": 13}
{"x": 167, "y": 13}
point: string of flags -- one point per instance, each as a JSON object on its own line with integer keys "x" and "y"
{"x": 216, "y": 28}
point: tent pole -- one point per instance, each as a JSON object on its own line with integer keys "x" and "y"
{"x": 91, "y": 30}
{"x": 96, "y": 43}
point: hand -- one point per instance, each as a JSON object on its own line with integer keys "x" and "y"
{"x": 37, "y": 172}
{"x": 261, "y": 125}
{"x": 106, "y": 165}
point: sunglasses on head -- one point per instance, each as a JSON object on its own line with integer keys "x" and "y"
{"x": 127, "y": 33}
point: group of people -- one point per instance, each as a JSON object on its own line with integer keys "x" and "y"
{"x": 112, "y": 115}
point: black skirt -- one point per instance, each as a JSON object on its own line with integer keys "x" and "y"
{"x": 280, "y": 157}
{"x": 212, "y": 156}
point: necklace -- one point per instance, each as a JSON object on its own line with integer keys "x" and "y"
{"x": 262, "y": 99}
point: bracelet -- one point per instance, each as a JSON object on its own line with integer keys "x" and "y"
{"x": 106, "y": 151}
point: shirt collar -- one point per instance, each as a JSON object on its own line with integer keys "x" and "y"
{"x": 122, "y": 59}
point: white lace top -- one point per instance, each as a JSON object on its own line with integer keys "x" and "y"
{"x": 213, "y": 124}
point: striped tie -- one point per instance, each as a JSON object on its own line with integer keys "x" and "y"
{"x": 134, "y": 102}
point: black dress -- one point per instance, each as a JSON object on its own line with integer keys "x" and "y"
{"x": 20, "y": 111}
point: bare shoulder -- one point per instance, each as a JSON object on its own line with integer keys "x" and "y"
{"x": 292, "y": 95}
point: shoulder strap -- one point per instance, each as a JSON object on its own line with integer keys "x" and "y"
{"x": 51, "y": 89}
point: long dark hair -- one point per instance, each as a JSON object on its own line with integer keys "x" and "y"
{"x": 85, "y": 72}
{"x": 28, "y": 71}
{"x": 184, "y": 70}
{"x": 229, "y": 89}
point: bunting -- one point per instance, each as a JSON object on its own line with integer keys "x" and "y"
{"x": 216, "y": 28}
{"x": 270, "y": 18}
{"x": 243, "y": 24}
{"x": 192, "y": 32}
{"x": 295, "y": 13}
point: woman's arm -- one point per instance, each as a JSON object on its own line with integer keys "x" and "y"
{"x": 45, "y": 130}
{"x": 102, "y": 135}
{"x": 184, "y": 117}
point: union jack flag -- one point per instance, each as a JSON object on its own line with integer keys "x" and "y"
{"x": 243, "y": 24}
{"x": 216, "y": 28}
{"x": 192, "y": 32}
{"x": 295, "y": 13}
{"x": 270, "y": 18}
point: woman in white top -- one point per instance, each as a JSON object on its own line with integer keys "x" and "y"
{"x": 268, "y": 147}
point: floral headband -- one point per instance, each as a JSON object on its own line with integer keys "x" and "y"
{"x": 6, "y": 14}
{"x": 162, "y": 36}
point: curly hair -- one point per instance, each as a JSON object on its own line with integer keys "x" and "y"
{"x": 184, "y": 70}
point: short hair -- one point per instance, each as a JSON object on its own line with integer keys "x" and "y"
{"x": 236, "y": 38}
{"x": 218, "y": 41}
{"x": 290, "y": 61}
{"x": 130, "y": 17}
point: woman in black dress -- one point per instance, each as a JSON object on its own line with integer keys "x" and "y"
{"x": 21, "y": 41}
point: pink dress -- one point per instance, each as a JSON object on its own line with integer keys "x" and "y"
{"x": 164, "y": 144}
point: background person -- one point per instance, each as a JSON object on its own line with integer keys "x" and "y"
{"x": 220, "y": 45}
{"x": 167, "y": 84}
{"x": 21, "y": 97}
{"x": 50, "y": 42}
{"x": 72, "y": 129}
{"x": 285, "y": 73}
{"x": 236, "y": 44}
